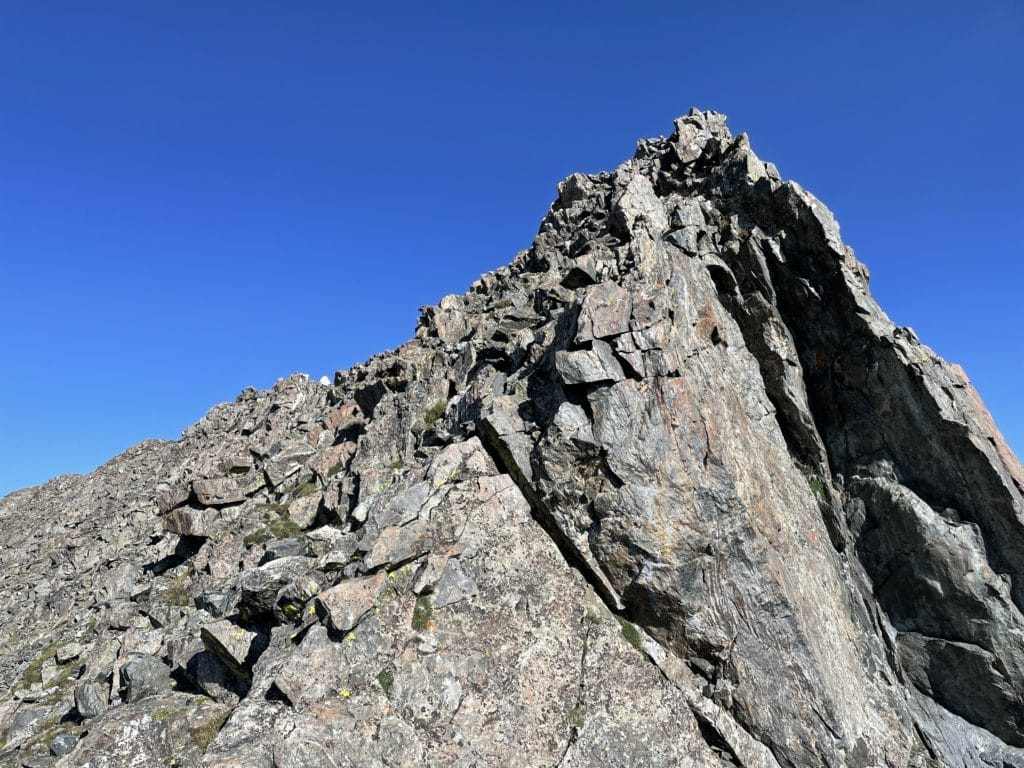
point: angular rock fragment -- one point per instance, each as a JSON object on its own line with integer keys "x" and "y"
{"x": 142, "y": 676}
{"x": 185, "y": 521}
{"x": 218, "y": 492}
{"x": 61, "y": 744}
{"x": 90, "y": 700}
{"x": 344, "y": 604}
{"x": 172, "y": 497}
{"x": 453, "y": 585}
{"x": 397, "y": 544}
{"x": 236, "y": 646}
{"x": 588, "y": 366}
{"x": 260, "y": 587}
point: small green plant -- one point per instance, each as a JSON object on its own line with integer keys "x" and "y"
{"x": 577, "y": 715}
{"x": 814, "y": 481}
{"x": 46, "y": 731}
{"x": 386, "y": 678}
{"x": 422, "y": 614}
{"x": 279, "y": 526}
{"x": 631, "y": 633}
{"x": 434, "y": 413}
{"x": 284, "y": 528}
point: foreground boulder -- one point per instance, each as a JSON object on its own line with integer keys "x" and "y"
{"x": 668, "y": 490}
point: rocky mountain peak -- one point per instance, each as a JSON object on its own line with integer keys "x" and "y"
{"x": 669, "y": 489}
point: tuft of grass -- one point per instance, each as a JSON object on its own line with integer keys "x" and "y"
{"x": 34, "y": 671}
{"x": 257, "y": 537}
{"x": 308, "y": 488}
{"x": 434, "y": 413}
{"x": 274, "y": 507}
{"x": 631, "y": 633}
{"x": 277, "y": 527}
{"x": 422, "y": 614}
{"x": 48, "y": 729}
{"x": 284, "y": 528}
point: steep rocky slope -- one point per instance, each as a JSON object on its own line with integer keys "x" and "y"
{"x": 668, "y": 490}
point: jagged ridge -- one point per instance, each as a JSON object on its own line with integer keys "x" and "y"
{"x": 677, "y": 422}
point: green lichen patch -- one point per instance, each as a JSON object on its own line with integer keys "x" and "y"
{"x": 577, "y": 715}
{"x": 203, "y": 734}
{"x": 165, "y": 715}
{"x": 422, "y": 614}
{"x": 291, "y": 610}
{"x": 386, "y": 678}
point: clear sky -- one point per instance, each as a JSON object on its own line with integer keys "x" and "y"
{"x": 200, "y": 196}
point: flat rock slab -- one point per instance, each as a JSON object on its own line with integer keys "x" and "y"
{"x": 172, "y": 729}
{"x": 219, "y": 492}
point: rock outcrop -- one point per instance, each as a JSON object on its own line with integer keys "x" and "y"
{"x": 668, "y": 490}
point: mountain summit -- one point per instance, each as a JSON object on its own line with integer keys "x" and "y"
{"x": 668, "y": 490}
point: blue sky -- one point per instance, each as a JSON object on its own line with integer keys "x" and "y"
{"x": 196, "y": 197}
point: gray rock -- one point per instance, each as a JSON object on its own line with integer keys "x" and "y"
{"x": 172, "y": 497}
{"x": 143, "y": 676}
{"x": 588, "y": 366}
{"x": 170, "y": 729}
{"x": 454, "y": 585}
{"x": 260, "y": 587}
{"x": 275, "y": 549}
{"x": 218, "y": 492}
{"x": 90, "y": 700}
{"x": 61, "y": 744}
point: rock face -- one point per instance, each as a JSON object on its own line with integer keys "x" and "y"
{"x": 668, "y": 490}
